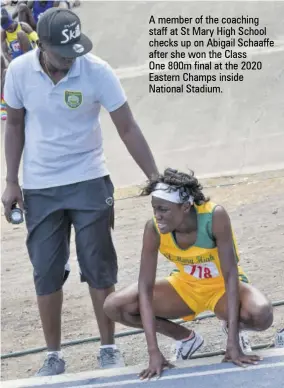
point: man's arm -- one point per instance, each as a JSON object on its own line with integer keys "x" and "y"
{"x": 113, "y": 99}
{"x": 223, "y": 234}
{"x": 14, "y": 142}
{"x": 4, "y": 46}
{"x": 134, "y": 140}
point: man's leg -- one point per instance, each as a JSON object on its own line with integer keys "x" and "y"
{"x": 67, "y": 268}
{"x": 47, "y": 244}
{"x": 105, "y": 324}
{"x": 98, "y": 296}
{"x": 95, "y": 251}
{"x": 50, "y": 313}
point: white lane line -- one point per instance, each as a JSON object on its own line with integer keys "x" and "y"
{"x": 184, "y": 375}
{"x": 139, "y": 71}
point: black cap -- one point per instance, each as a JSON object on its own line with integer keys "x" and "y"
{"x": 60, "y": 29}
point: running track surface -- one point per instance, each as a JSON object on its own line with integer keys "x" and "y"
{"x": 269, "y": 373}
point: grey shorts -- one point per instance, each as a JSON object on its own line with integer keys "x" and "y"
{"x": 89, "y": 207}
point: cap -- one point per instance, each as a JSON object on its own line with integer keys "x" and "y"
{"x": 6, "y": 19}
{"x": 60, "y": 29}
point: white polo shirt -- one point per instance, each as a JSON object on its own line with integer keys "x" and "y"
{"x": 63, "y": 137}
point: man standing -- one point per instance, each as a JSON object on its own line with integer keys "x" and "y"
{"x": 54, "y": 95}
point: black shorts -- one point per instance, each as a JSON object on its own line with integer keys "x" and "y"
{"x": 89, "y": 207}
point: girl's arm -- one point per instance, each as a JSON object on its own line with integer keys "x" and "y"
{"x": 146, "y": 282}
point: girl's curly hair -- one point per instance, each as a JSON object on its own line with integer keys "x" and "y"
{"x": 187, "y": 184}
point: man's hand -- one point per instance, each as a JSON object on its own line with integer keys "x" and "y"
{"x": 237, "y": 357}
{"x": 12, "y": 195}
{"x": 156, "y": 365}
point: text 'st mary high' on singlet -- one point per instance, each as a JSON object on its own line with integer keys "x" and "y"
{"x": 200, "y": 262}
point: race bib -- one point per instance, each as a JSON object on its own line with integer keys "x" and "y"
{"x": 202, "y": 271}
{"x": 15, "y": 46}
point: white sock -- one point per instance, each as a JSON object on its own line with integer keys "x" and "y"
{"x": 57, "y": 352}
{"x": 108, "y": 346}
{"x": 191, "y": 336}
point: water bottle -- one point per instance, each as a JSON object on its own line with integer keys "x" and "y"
{"x": 16, "y": 215}
{"x": 279, "y": 338}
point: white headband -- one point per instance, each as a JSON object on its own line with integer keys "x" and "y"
{"x": 168, "y": 193}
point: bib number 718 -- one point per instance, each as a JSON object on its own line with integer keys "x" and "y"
{"x": 200, "y": 271}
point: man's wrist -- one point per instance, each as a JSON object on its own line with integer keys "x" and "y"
{"x": 14, "y": 181}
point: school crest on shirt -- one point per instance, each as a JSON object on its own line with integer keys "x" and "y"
{"x": 73, "y": 99}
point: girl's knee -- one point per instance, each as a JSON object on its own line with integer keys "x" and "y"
{"x": 259, "y": 316}
{"x": 264, "y": 316}
{"x": 111, "y": 305}
{"x": 119, "y": 303}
